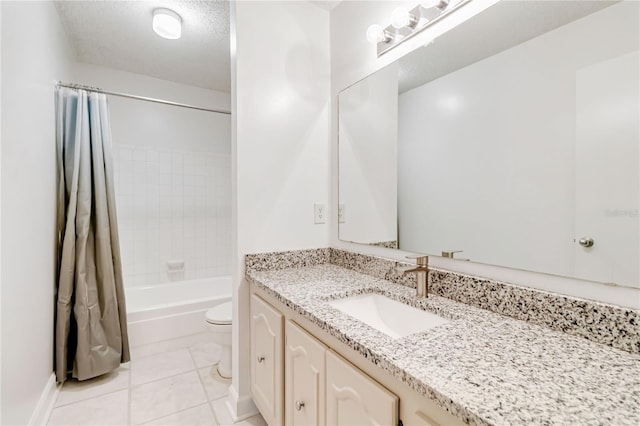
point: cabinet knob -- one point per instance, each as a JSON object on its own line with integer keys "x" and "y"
{"x": 299, "y": 405}
{"x": 261, "y": 358}
{"x": 586, "y": 242}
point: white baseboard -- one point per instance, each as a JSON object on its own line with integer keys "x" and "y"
{"x": 46, "y": 402}
{"x": 240, "y": 407}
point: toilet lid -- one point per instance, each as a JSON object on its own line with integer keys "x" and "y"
{"x": 220, "y": 314}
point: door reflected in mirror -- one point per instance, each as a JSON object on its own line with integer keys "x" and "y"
{"x": 511, "y": 145}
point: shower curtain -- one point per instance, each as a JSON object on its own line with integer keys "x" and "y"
{"x": 91, "y": 328}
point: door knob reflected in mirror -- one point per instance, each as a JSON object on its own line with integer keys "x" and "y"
{"x": 586, "y": 242}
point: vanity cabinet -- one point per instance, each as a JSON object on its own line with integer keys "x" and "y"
{"x": 297, "y": 380}
{"x": 304, "y": 377}
{"x": 266, "y": 360}
{"x": 354, "y": 399}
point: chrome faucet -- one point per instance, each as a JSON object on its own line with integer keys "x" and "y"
{"x": 422, "y": 274}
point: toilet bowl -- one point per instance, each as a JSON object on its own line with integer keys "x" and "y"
{"x": 219, "y": 324}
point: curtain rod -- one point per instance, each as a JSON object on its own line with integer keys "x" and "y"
{"x": 141, "y": 98}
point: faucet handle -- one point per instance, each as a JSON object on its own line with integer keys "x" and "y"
{"x": 451, "y": 254}
{"x": 421, "y": 260}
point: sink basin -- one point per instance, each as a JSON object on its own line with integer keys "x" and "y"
{"x": 386, "y": 315}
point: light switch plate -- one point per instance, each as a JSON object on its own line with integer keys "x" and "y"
{"x": 319, "y": 213}
{"x": 341, "y": 213}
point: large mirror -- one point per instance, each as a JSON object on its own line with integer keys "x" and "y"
{"x": 512, "y": 140}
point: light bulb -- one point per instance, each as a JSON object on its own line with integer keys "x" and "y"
{"x": 167, "y": 23}
{"x": 375, "y": 34}
{"x": 400, "y": 17}
{"x": 428, "y": 4}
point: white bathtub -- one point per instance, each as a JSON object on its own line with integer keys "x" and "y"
{"x": 171, "y": 310}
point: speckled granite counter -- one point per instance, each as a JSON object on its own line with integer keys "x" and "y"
{"x": 483, "y": 367}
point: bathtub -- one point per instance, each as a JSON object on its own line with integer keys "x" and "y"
{"x": 171, "y": 310}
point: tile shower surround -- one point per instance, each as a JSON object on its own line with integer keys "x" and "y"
{"x": 172, "y": 205}
{"x": 599, "y": 322}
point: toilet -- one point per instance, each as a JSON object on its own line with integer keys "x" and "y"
{"x": 219, "y": 324}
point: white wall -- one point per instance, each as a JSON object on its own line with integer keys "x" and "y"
{"x": 494, "y": 147}
{"x": 142, "y": 85}
{"x": 34, "y": 54}
{"x": 369, "y": 158}
{"x": 280, "y": 81}
{"x": 172, "y": 169}
{"x": 353, "y": 58}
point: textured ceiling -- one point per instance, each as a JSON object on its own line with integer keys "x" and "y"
{"x": 118, "y": 34}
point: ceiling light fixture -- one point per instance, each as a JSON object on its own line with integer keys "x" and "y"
{"x": 167, "y": 24}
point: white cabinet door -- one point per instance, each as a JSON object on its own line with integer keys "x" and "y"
{"x": 304, "y": 378}
{"x": 355, "y": 399}
{"x": 266, "y": 360}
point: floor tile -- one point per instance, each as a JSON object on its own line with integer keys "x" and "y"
{"x": 159, "y": 366}
{"x": 109, "y": 409}
{"x": 223, "y": 417}
{"x": 197, "y": 416}
{"x": 169, "y": 345}
{"x": 215, "y": 386}
{"x": 252, "y": 421}
{"x": 167, "y": 396}
{"x": 205, "y": 354}
{"x": 74, "y": 391}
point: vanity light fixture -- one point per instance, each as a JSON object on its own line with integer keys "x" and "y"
{"x": 167, "y": 23}
{"x": 407, "y": 23}
{"x": 428, "y": 4}
{"x": 377, "y": 34}
{"x": 401, "y": 17}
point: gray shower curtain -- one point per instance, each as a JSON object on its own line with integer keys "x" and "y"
{"x": 91, "y": 328}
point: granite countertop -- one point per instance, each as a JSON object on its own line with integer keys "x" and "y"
{"x": 483, "y": 367}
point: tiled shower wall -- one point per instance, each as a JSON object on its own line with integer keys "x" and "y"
{"x": 173, "y": 205}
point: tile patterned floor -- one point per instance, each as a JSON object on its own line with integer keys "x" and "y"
{"x": 167, "y": 383}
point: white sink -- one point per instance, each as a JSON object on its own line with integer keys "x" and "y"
{"x": 386, "y": 315}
